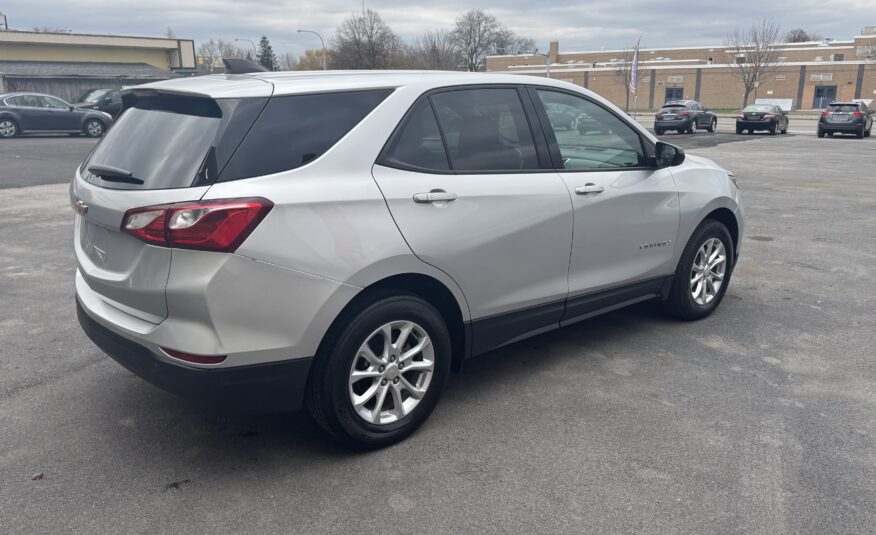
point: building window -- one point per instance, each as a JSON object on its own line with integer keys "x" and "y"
{"x": 783, "y": 59}
{"x": 780, "y": 77}
{"x": 646, "y": 79}
{"x": 710, "y": 60}
{"x": 740, "y": 58}
{"x": 675, "y": 79}
{"x": 821, "y": 77}
{"x": 839, "y": 57}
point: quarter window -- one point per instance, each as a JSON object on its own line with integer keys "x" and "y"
{"x": 485, "y": 130}
{"x": 600, "y": 140}
{"x": 417, "y": 144}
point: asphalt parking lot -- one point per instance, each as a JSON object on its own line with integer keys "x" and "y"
{"x": 759, "y": 419}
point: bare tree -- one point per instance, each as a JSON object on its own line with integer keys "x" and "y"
{"x": 366, "y": 42}
{"x": 311, "y": 60}
{"x": 478, "y": 33}
{"x": 436, "y": 50}
{"x": 623, "y": 73}
{"x": 753, "y": 54}
{"x": 287, "y": 61}
{"x": 799, "y": 35}
{"x": 211, "y": 52}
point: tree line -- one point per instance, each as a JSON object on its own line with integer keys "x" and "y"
{"x": 366, "y": 41}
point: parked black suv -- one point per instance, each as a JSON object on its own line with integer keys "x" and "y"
{"x": 846, "y": 118}
{"x": 684, "y": 116}
{"x": 105, "y": 100}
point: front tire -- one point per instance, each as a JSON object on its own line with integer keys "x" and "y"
{"x": 8, "y": 128}
{"x": 713, "y": 125}
{"x": 93, "y": 128}
{"x": 381, "y": 372}
{"x": 703, "y": 272}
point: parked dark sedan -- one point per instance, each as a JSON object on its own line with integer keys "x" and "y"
{"x": 684, "y": 116}
{"x": 105, "y": 100}
{"x": 27, "y": 113}
{"x": 765, "y": 117}
{"x": 846, "y": 118}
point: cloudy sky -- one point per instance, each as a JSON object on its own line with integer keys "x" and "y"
{"x": 578, "y": 25}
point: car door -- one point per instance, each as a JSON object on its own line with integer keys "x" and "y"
{"x": 28, "y": 109}
{"x": 475, "y": 198}
{"x": 626, "y": 211}
{"x": 59, "y": 115}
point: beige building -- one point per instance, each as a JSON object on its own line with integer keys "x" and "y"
{"x": 66, "y": 64}
{"x": 809, "y": 75}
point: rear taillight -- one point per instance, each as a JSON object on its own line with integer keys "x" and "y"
{"x": 769, "y": 117}
{"x": 659, "y": 115}
{"x": 825, "y": 113}
{"x": 858, "y": 114}
{"x": 685, "y": 114}
{"x": 215, "y": 225}
{"x": 740, "y": 116}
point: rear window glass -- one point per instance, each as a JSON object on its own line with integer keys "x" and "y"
{"x": 673, "y": 107}
{"x": 759, "y": 108}
{"x": 173, "y": 142}
{"x": 295, "y": 130}
{"x": 844, "y": 107}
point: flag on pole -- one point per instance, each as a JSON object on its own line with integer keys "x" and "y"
{"x": 634, "y": 70}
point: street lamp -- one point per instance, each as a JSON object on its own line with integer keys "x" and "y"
{"x": 254, "y": 52}
{"x": 321, "y": 41}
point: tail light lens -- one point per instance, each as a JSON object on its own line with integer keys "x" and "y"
{"x": 215, "y": 225}
{"x": 769, "y": 117}
{"x": 740, "y": 116}
{"x": 685, "y": 114}
{"x": 659, "y": 115}
{"x": 197, "y": 359}
{"x": 825, "y": 113}
{"x": 858, "y": 114}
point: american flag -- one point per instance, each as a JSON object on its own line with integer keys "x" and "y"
{"x": 634, "y": 70}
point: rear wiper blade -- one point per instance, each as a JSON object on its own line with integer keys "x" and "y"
{"x": 113, "y": 174}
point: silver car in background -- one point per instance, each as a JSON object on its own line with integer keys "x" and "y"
{"x": 342, "y": 240}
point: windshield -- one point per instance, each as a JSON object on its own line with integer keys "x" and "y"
{"x": 93, "y": 96}
{"x": 758, "y": 108}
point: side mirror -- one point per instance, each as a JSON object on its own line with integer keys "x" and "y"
{"x": 668, "y": 155}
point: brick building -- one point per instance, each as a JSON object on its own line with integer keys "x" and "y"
{"x": 809, "y": 75}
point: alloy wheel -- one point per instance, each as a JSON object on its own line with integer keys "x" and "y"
{"x": 391, "y": 372}
{"x": 94, "y": 128}
{"x": 707, "y": 272}
{"x": 7, "y": 129}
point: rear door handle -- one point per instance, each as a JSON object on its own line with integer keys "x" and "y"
{"x": 589, "y": 188}
{"x": 434, "y": 196}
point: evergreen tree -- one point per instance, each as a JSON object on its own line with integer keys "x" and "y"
{"x": 266, "y": 56}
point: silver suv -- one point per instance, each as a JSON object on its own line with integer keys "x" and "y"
{"x": 342, "y": 240}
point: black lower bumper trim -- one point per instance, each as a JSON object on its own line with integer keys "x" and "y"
{"x": 258, "y": 388}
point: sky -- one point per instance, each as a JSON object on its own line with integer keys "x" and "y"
{"x": 581, "y": 25}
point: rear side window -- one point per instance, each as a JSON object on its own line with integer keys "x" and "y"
{"x": 485, "y": 130}
{"x": 417, "y": 144}
{"x": 295, "y": 130}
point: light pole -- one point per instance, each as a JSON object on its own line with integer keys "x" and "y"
{"x": 254, "y": 52}
{"x": 321, "y": 40}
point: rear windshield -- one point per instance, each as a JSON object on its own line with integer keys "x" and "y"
{"x": 673, "y": 107}
{"x": 758, "y": 108}
{"x": 844, "y": 107}
{"x": 178, "y": 142}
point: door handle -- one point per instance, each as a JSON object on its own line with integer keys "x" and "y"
{"x": 589, "y": 188}
{"x": 436, "y": 195}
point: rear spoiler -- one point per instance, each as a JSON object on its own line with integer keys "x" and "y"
{"x": 241, "y": 66}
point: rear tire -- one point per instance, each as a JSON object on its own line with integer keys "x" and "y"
{"x": 867, "y": 133}
{"x": 820, "y": 132}
{"x": 738, "y": 131}
{"x": 93, "y": 128}
{"x": 8, "y": 128}
{"x": 860, "y": 134}
{"x": 686, "y": 299}
{"x": 658, "y": 131}
{"x": 692, "y": 127}
{"x": 331, "y": 387}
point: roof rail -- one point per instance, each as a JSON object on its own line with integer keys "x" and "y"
{"x": 241, "y": 66}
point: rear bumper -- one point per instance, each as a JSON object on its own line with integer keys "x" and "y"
{"x": 851, "y": 128}
{"x": 756, "y": 125}
{"x": 259, "y": 388}
{"x": 672, "y": 125}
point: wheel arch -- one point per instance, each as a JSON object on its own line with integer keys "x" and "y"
{"x": 726, "y": 217}
{"x": 424, "y": 286}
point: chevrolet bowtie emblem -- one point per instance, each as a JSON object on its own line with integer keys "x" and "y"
{"x": 80, "y": 208}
